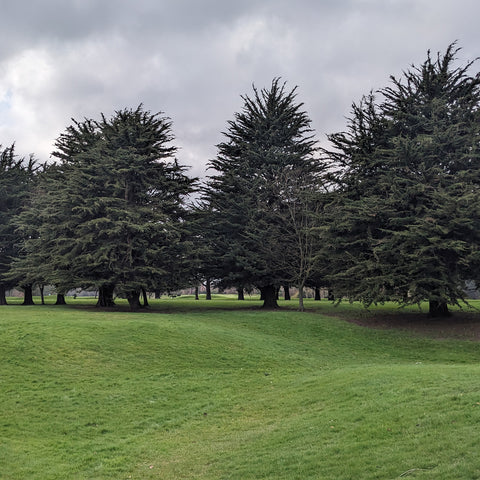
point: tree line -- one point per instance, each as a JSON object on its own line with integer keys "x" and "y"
{"x": 389, "y": 211}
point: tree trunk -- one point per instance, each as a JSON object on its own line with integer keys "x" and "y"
{"x": 286, "y": 292}
{"x": 196, "y": 293}
{"x": 269, "y": 295}
{"x": 42, "y": 296}
{"x": 241, "y": 294}
{"x": 3, "y": 293}
{"x": 60, "y": 299}
{"x": 438, "y": 309}
{"x": 105, "y": 296}
{"x": 301, "y": 306}
{"x": 158, "y": 294}
{"x": 208, "y": 289}
{"x": 317, "y": 294}
{"x": 28, "y": 295}
{"x": 330, "y": 295}
{"x": 145, "y": 298}
{"x": 134, "y": 300}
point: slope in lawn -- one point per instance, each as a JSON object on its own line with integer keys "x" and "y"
{"x": 231, "y": 394}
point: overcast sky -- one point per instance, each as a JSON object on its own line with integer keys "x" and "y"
{"x": 192, "y": 59}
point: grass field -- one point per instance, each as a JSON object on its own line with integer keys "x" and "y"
{"x": 221, "y": 390}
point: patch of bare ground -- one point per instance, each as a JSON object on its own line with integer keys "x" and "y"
{"x": 458, "y": 326}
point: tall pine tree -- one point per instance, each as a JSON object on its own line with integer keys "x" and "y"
{"x": 16, "y": 180}
{"x": 115, "y": 204}
{"x": 269, "y": 137}
{"x": 408, "y": 207}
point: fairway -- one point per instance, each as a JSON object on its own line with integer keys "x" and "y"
{"x": 224, "y": 390}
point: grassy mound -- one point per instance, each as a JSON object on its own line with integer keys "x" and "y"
{"x": 199, "y": 390}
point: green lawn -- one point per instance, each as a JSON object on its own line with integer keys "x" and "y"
{"x": 221, "y": 390}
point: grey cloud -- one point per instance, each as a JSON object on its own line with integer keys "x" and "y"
{"x": 193, "y": 59}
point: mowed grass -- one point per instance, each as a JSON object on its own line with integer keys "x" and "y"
{"x": 221, "y": 390}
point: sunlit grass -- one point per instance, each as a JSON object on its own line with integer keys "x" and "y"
{"x": 223, "y": 390}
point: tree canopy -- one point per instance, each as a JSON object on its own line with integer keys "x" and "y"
{"x": 112, "y": 209}
{"x": 269, "y": 137}
{"x": 406, "y": 223}
{"x": 391, "y": 211}
{"x": 16, "y": 179}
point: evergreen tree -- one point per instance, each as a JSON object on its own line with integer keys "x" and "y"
{"x": 16, "y": 178}
{"x": 408, "y": 209}
{"x": 270, "y": 136}
{"x": 116, "y": 204}
{"x": 38, "y": 262}
{"x": 357, "y": 214}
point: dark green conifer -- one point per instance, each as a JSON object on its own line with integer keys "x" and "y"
{"x": 16, "y": 180}
{"x": 269, "y": 137}
{"x": 407, "y": 222}
{"x": 114, "y": 207}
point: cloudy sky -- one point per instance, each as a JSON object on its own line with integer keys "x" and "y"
{"x": 192, "y": 59}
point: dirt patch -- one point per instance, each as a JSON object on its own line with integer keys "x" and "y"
{"x": 459, "y": 326}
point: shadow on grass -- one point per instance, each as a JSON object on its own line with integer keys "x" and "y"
{"x": 463, "y": 324}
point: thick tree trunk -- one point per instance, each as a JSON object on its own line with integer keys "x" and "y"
{"x": 42, "y": 296}
{"x": 317, "y": 294}
{"x": 241, "y": 294}
{"x": 269, "y": 295}
{"x": 145, "y": 298}
{"x": 3, "y": 293}
{"x": 134, "y": 300}
{"x": 105, "y": 296}
{"x": 438, "y": 309}
{"x": 286, "y": 292}
{"x": 197, "y": 297}
{"x": 28, "y": 295}
{"x": 60, "y": 299}
{"x": 208, "y": 289}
